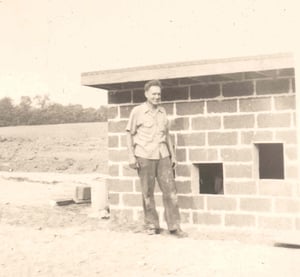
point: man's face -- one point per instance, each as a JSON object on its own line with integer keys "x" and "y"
{"x": 153, "y": 95}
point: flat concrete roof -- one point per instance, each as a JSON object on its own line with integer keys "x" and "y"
{"x": 107, "y": 79}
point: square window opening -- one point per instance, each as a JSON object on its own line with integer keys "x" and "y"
{"x": 270, "y": 160}
{"x": 209, "y": 178}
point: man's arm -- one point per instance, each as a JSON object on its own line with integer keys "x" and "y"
{"x": 171, "y": 149}
{"x": 132, "y": 159}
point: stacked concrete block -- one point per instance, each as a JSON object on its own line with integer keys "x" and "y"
{"x": 216, "y": 119}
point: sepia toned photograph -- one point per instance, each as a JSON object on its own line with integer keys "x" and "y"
{"x": 149, "y": 139}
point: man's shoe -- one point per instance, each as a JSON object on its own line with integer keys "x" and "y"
{"x": 178, "y": 233}
{"x": 153, "y": 231}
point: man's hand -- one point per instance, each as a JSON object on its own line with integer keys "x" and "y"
{"x": 133, "y": 163}
{"x": 174, "y": 162}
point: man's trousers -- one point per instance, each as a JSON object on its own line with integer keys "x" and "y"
{"x": 162, "y": 171}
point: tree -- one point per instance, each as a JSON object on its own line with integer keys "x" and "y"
{"x": 23, "y": 111}
{"x": 101, "y": 113}
{"x": 6, "y": 112}
{"x": 25, "y": 103}
{"x": 46, "y": 112}
{"x": 42, "y": 101}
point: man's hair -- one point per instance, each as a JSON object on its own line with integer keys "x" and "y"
{"x": 152, "y": 83}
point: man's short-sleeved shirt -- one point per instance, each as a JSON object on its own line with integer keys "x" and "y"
{"x": 149, "y": 130}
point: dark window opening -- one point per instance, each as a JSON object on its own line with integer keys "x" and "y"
{"x": 211, "y": 178}
{"x": 270, "y": 160}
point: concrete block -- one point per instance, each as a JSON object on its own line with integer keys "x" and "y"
{"x": 250, "y": 137}
{"x": 175, "y": 93}
{"x": 275, "y": 222}
{"x": 123, "y": 140}
{"x": 286, "y": 136}
{"x": 191, "y": 202}
{"x": 256, "y": 204}
{"x": 272, "y": 86}
{"x": 238, "y": 171}
{"x": 120, "y": 155}
{"x": 137, "y": 186}
{"x": 185, "y": 217}
{"x": 119, "y": 97}
{"x": 287, "y": 102}
{"x": 205, "y": 91}
{"x": 113, "y": 141}
{"x": 132, "y": 200}
{"x": 117, "y": 126}
{"x": 206, "y": 123}
{"x": 224, "y": 138}
{"x": 119, "y": 185}
{"x": 181, "y": 155}
{"x": 221, "y": 203}
{"x": 189, "y": 108}
{"x": 290, "y": 152}
{"x": 274, "y": 120}
{"x": 113, "y": 170}
{"x": 238, "y": 89}
{"x": 179, "y": 124}
{"x": 240, "y": 220}
{"x": 134, "y": 85}
{"x": 194, "y": 139}
{"x": 237, "y": 154}
{"x": 255, "y": 104}
{"x": 261, "y": 74}
{"x": 287, "y": 72}
{"x": 239, "y": 121}
{"x": 114, "y": 198}
{"x": 203, "y": 155}
{"x": 183, "y": 170}
{"x": 240, "y": 188}
{"x": 112, "y": 112}
{"x": 125, "y": 111}
{"x": 82, "y": 194}
{"x": 291, "y": 171}
{"x": 207, "y": 218}
{"x": 287, "y": 205}
{"x": 275, "y": 188}
{"x": 183, "y": 187}
{"x": 222, "y": 106}
{"x": 169, "y": 107}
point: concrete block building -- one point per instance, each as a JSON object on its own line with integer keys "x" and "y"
{"x": 235, "y": 125}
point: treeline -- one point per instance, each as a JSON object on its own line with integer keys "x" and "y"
{"x": 40, "y": 110}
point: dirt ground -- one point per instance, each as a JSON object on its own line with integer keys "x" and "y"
{"x": 39, "y": 239}
{"x": 65, "y": 148}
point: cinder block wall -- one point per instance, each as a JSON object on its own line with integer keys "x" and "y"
{"x": 216, "y": 119}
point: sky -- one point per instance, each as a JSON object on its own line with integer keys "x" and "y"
{"x": 46, "y": 44}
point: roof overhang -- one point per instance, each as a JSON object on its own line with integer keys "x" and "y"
{"x": 107, "y": 79}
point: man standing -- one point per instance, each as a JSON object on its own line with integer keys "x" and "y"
{"x": 152, "y": 154}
